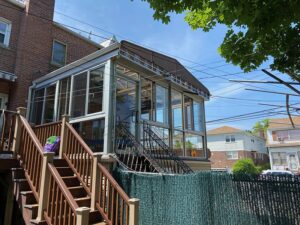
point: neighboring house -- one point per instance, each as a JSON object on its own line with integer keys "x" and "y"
{"x": 283, "y": 142}
{"x": 31, "y": 45}
{"x": 127, "y": 83}
{"x": 228, "y": 144}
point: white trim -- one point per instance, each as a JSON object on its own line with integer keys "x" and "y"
{"x": 7, "y": 31}
{"x": 19, "y": 3}
{"x": 4, "y": 98}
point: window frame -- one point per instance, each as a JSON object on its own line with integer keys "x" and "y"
{"x": 52, "y": 55}
{"x": 232, "y": 154}
{"x": 231, "y": 138}
{"x": 7, "y": 33}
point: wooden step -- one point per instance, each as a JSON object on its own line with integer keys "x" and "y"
{"x": 18, "y": 173}
{"x": 71, "y": 181}
{"x": 78, "y": 191}
{"x": 60, "y": 163}
{"x": 83, "y": 202}
{"x": 65, "y": 171}
{"x": 95, "y": 218}
{"x": 19, "y": 186}
{"x": 30, "y": 212}
{"x": 28, "y": 198}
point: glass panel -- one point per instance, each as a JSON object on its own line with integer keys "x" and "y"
{"x": 59, "y": 53}
{"x": 161, "y": 104}
{"x": 96, "y": 90}
{"x": 79, "y": 95}
{"x": 282, "y": 135}
{"x": 92, "y": 132}
{"x": 294, "y": 135}
{"x": 178, "y": 143}
{"x": 37, "y": 106}
{"x": 279, "y": 158}
{"x": 177, "y": 109}
{"x": 146, "y": 99}
{"x": 126, "y": 102}
{"x": 162, "y": 133}
{"x": 64, "y": 97}
{"x": 2, "y": 38}
{"x": 3, "y": 27}
{"x": 121, "y": 70}
{"x": 49, "y": 104}
{"x": 198, "y": 116}
{"x": 232, "y": 155}
{"x": 188, "y": 102}
{"x": 194, "y": 145}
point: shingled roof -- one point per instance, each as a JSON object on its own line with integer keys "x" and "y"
{"x": 282, "y": 123}
{"x": 224, "y": 130}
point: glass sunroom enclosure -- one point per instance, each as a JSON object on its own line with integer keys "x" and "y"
{"x": 125, "y": 82}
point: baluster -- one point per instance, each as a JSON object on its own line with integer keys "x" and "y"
{"x": 95, "y": 180}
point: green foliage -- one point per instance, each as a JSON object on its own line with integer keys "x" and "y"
{"x": 256, "y": 30}
{"x": 263, "y": 167}
{"x": 261, "y": 126}
{"x": 189, "y": 144}
{"x": 245, "y": 166}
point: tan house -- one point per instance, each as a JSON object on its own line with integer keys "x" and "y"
{"x": 283, "y": 142}
{"x": 228, "y": 144}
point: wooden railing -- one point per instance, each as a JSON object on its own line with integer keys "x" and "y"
{"x": 78, "y": 155}
{"x": 112, "y": 202}
{"x": 30, "y": 155}
{"x": 61, "y": 206}
{"x": 7, "y": 125}
{"x": 46, "y": 130}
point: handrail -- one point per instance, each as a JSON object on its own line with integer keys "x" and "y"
{"x": 32, "y": 134}
{"x": 46, "y": 130}
{"x": 47, "y": 124}
{"x": 81, "y": 141}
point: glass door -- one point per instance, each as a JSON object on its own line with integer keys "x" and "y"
{"x": 126, "y": 103}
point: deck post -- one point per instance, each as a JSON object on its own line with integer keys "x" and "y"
{"x": 9, "y": 203}
{"x": 95, "y": 180}
{"x": 134, "y": 211}
{"x": 82, "y": 216}
{"x": 17, "y": 133}
{"x": 44, "y": 186}
{"x": 63, "y": 137}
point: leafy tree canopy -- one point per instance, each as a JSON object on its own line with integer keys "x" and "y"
{"x": 256, "y": 29}
{"x": 261, "y": 126}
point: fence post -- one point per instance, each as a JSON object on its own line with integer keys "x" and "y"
{"x": 134, "y": 211}
{"x": 82, "y": 216}
{"x": 17, "y": 134}
{"x": 63, "y": 135}
{"x": 44, "y": 186}
{"x": 95, "y": 180}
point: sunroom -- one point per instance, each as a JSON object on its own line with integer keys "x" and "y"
{"x": 125, "y": 83}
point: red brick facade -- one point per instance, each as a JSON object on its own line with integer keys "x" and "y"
{"x": 30, "y": 49}
{"x": 219, "y": 159}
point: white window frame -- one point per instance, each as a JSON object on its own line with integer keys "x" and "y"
{"x": 65, "y": 61}
{"x": 7, "y": 32}
{"x": 231, "y": 138}
{"x": 232, "y": 155}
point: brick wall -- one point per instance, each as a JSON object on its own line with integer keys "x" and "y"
{"x": 30, "y": 50}
{"x": 219, "y": 158}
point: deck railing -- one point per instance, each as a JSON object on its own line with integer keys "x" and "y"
{"x": 46, "y": 130}
{"x": 7, "y": 125}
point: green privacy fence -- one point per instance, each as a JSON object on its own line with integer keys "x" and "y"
{"x": 212, "y": 198}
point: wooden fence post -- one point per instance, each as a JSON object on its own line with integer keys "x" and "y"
{"x": 17, "y": 134}
{"x": 82, "y": 216}
{"x": 63, "y": 135}
{"x": 44, "y": 186}
{"x": 95, "y": 180}
{"x": 134, "y": 211}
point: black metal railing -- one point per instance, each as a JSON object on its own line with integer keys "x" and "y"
{"x": 131, "y": 154}
{"x": 154, "y": 144}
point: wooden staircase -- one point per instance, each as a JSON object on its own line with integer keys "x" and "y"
{"x": 73, "y": 188}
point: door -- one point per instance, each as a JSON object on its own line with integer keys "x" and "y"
{"x": 126, "y": 103}
{"x": 3, "y": 101}
{"x": 293, "y": 162}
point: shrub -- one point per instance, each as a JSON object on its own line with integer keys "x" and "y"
{"x": 263, "y": 167}
{"x": 245, "y": 166}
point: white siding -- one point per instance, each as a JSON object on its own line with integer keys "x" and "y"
{"x": 218, "y": 142}
{"x": 259, "y": 144}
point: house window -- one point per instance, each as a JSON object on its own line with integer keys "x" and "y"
{"x": 198, "y": 116}
{"x": 59, "y": 53}
{"x": 279, "y": 158}
{"x": 188, "y": 113}
{"x": 96, "y": 90}
{"x": 64, "y": 97}
{"x": 230, "y": 138}
{"x": 194, "y": 145}
{"x": 232, "y": 155}
{"x": 5, "y": 30}
{"x": 176, "y": 109}
{"x": 79, "y": 95}
{"x": 161, "y": 104}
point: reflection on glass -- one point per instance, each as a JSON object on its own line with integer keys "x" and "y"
{"x": 194, "y": 145}
{"x": 177, "y": 109}
{"x": 121, "y": 70}
{"x": 178, "y": 144}
{"x": 79, "y": 95}
{"x": 96, "y": 90}
{"x": 146, "y": 99}
{"x": 37, "y": 106}
{"x": 198, "y": 116}
{"x": 161, "y": 104}
{"x": 92, "y": 132}
{"x": 188, "y": 102}
{"x": 49, "y": 104}
{"x": 64, "y": 97}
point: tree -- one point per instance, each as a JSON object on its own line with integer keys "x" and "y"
{"x": 245, "y": 166}
{"x": 256, "y": 30}
{"x": 261, "y": 126}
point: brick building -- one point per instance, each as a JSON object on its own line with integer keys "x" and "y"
{"x": 228, "y": 144}
{"x": 32, "y": 45}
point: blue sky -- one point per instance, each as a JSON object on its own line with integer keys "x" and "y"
{"x": 133, "y": 21}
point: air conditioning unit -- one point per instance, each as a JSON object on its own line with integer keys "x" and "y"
{"x": 280, "y": 139}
